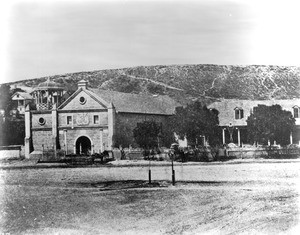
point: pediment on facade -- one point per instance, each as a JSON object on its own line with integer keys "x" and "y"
{"x": 83, "y": 99}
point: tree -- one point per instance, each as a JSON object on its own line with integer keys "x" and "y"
{"x": 124, "y": 136}
{"x": 270, "y": 123}
{"x": 155, "y": 88}
{"x": 12, "y": 126}
{"x": 12, "y": 131}
{"x": 166, "y": 135}
{"x": 5, "y": 99}
{"x": 194, "y": 121}
{"x": 146, "y": 134}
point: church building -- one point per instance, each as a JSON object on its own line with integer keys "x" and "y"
{"x": 90, "y": 120}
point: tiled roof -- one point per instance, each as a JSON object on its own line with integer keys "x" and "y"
{"x": 138, "y": 103}
{"x": 226, "y": 108}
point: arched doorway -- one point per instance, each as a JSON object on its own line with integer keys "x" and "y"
{"x": 83, "y": 145}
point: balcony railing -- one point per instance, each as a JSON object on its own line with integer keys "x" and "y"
{"x": 44, "y": 106}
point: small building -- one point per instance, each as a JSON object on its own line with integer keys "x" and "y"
{"x": 21, "y": 99}
{"x": 90, "y": 120}
{"x": 233, "y": 115}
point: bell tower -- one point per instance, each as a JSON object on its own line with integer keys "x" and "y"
{"x": 48, "y": 93}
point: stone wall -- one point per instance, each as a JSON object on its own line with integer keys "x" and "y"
{"x": 40, "y": 138}
{"x": 47, "y": 116}
{"x": 62, "y": 118}
{"x": 97, "y": 136}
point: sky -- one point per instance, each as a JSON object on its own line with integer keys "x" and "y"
{"x": 43, "y": 38}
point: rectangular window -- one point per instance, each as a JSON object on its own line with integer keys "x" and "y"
{"x": 239, "y": 113}
{"x": 96, "y": 119}
{"x": 69, "y": 120}
{"x": 21, "y": 102}
{"x": 296, "y": 112}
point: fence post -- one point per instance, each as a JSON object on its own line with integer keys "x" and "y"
{"x": 173, "y": 174}
{"x": 149, "y": 172}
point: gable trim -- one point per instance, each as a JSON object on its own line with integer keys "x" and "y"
{"x": 20, "y": 94}
{"x": 89, "y": 93}
{"x": 101, "y": 101}
{"x": 81, "y": 110}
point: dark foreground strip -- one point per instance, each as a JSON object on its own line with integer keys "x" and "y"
{"x": 131, "y": 184}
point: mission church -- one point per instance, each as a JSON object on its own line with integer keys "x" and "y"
{"x": 93, "y": 120}
{"x": 90, "y": 120}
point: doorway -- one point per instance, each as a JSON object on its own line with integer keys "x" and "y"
{"x": 83, "y": 145}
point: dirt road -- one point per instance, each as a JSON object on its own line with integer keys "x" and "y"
{"x": 214, "y": 199}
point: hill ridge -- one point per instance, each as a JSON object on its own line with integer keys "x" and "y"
{"x": 191, "y": 81}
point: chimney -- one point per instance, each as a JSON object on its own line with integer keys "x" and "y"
{"x": 82, "y": 84}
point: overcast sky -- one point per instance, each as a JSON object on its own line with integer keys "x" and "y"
{"x": 41, "y": 38}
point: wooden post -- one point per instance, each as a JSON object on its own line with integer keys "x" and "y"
{"x": 66, "y": 144}
{"x": 239, "y": 137}
{"x": 173, "y": 174}
{"x": 223, "y": 135}
{"x": 149, "y": 172}
{"x": 47, "y": 96}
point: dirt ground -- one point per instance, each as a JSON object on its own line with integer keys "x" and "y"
{"x": 247, "y": 198}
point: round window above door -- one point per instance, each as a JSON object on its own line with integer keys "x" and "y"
{"x": 82, "y": 100}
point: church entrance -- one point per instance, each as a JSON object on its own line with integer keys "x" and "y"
{"x": 83, "y": 145}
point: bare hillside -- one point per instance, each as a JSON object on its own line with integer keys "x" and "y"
{"x": 190, "y": 82}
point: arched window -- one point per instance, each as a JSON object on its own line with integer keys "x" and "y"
{"x": 238, "y": 113}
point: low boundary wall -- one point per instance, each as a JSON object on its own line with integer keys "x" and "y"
{"x": 263, "y": 153}
{"x": 10, "y": 152}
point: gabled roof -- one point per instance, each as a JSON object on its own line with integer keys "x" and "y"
{"x": 91, "y": 94}
{"x": 129, "y": 103}
{"x": 25, "y": 95}
{"x": 138, "y": 103}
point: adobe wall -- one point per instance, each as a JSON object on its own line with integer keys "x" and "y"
{"x": 296, "y": 135}
{"x": 126, "y": 122}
